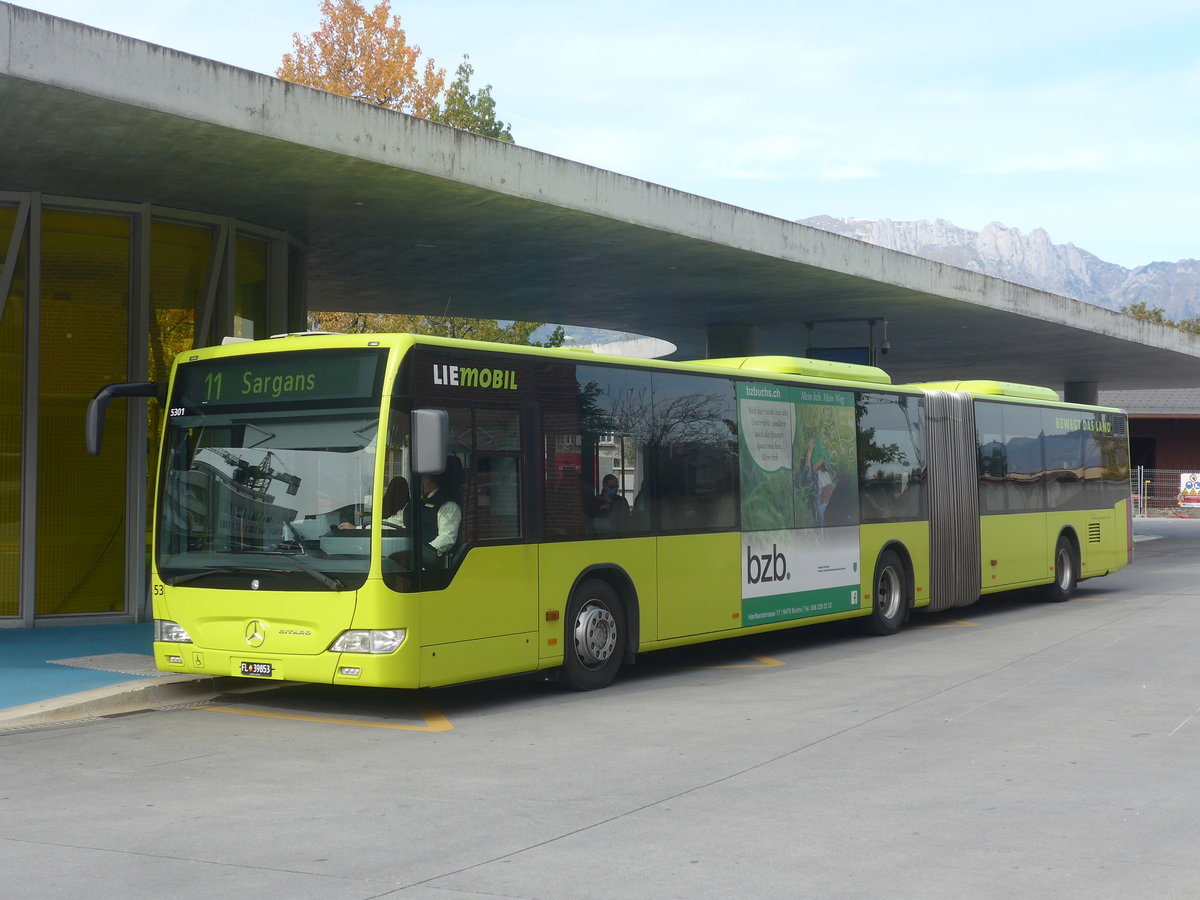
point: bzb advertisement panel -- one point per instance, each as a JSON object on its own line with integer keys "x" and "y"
{"x": 799, "y": 477}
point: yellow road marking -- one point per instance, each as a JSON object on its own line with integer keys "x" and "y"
{"x": 434, "y": 720}
{"x": 764, "y": 662}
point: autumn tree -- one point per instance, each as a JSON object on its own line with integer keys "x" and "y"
{"x": 513, "y": 332}
{"x": 365, "y": 55}
{"x": 358, "y": 322}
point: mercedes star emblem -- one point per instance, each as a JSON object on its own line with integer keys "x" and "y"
{"x": 256, "y": 633}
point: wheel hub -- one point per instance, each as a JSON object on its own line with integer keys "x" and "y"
{"x": 888, "y": 593}
{"x": 595, "y": 634}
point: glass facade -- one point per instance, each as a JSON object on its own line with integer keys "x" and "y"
{"x": 12, "y": 338}
{"x": 252, "y": 289}
{"x": 93, "y": 293}
{"x": 83, "y": 344}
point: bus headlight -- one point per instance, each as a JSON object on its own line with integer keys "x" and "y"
{"x": 171, "y": 632}
{"x": 385, "y": 640}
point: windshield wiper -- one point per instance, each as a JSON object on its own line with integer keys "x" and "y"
{"x": 192, "y": 576}
{"x": 332, "y": 583}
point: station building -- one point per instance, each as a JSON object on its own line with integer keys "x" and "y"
{"x": 152, "y": 201}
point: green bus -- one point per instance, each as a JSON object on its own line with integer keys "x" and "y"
{"x": 406, "y": 511}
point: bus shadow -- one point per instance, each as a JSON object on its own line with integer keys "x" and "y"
{"x": 740, "y": 655}
{"x": 1008, "y": 603}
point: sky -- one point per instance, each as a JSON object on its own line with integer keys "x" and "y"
{"x": 1080, "y": 118}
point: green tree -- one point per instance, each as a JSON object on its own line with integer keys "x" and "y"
{"x": 470, "y": 111}
{"x": 556, "y": 338}
{"x": 1191, "y": 325}
{"x": 1140, "y": 309}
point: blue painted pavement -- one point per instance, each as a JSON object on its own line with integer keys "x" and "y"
{"x": 27, "y": 674}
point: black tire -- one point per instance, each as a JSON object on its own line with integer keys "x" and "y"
{"x": 1066, "y": 572}
{"x": 595, "y": 637}
{"x": 889, "y": 594}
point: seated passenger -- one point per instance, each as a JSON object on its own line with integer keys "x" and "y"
{"x": 611, "y": 510}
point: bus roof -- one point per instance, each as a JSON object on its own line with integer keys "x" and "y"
{"x": 824, "y": 370}
{"x": 796, "y": 365}
{"x": 992, "y": 388}
{"x": 750, "y": 366}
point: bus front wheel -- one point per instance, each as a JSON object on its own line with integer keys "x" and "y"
{"x": 890, "y": 595}
{"x": 1066, "y": 572}
{"x": 595, "y": 636}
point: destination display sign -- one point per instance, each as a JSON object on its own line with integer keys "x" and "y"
{"x": 263, "y": 379}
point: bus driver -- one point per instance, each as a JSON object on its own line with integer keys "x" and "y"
{"x": 440, "y": 516}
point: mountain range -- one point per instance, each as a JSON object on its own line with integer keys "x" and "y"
{"x": 1033, "y": 260}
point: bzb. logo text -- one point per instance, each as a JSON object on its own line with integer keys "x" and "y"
{"x": 766, "y": 567}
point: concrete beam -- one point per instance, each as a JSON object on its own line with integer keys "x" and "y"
{"x": 403, "y": 215}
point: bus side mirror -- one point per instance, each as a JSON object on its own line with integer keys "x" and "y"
{"x": 94, "y": 426}
{"x": 430, "y": 440}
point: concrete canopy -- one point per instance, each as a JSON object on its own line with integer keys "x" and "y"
{"x": 402, "y": 215}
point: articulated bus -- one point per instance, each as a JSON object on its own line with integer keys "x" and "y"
{"x": 404, "y": 511}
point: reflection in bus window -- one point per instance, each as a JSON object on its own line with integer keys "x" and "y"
{"x": 495, "y": 490}
{"x": 1023, "y": 442}
{"x": 891, "y": 457}
{"x": 1010, "y": 458}
{"x": 669, "y": 441}
{"x": 1064, "y": 448}
{"x": 696, "y": 452}
{"x": 1035, "y": 459}
{"x": 280, "y": 487}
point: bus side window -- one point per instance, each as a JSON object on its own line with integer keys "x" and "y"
{"x": 497, "y": 499}
{"x": 696, "y": 463}
{"x": 993, "y": 464}
{"x": 493, "y": 499}
{"x": 891, "y": 457}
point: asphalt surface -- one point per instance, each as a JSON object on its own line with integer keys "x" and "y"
{"x": 1012, "y": 748}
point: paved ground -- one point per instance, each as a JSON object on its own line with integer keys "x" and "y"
{"x": 1011, "y": 748}
{"x": 59, "y": 674}
{"x": 46, "y": 663}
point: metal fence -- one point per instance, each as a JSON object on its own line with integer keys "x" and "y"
{"x": 1158, "y": 492}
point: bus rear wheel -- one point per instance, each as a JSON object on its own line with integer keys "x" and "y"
{"x": 1066, "y": 572}
{"x": 890, "y": 593}
{"x": 595, "y": 637}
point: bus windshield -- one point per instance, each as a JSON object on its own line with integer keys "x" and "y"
{"x": 273, "y": 491}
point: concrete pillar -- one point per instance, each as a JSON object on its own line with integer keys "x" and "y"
{"x": 1081, "y": 392}
{"x": 731, "y": 339}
